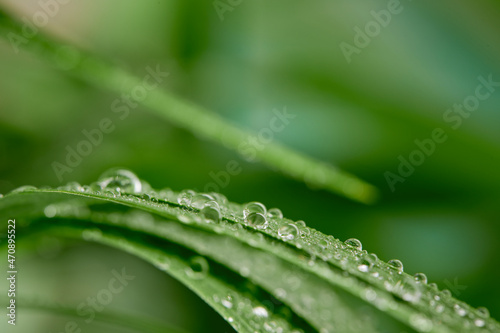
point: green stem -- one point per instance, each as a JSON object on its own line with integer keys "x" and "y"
{"x": 199, "y": 121}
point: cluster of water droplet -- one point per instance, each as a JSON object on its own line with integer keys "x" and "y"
{"x": 259, "y": 315}
{"x": 214, "y": 210}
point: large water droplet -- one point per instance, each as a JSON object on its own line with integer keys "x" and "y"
{"x": 459, "y": 310}
{"x": 367, "y": 262}
{"x": 483, "y": 312}
{"x": 479, "y": 322}
{"x": 409, "y": 289}
{"x": 72, "y": 186}
{"x": 274, "y": 213}
{"x": 355, "y": 243}
{"x": 211, "y": 212}
{"x": 288, "y": 231}
{"x": 256, "y": 220}
{"x": 300, "y": 224}
{"x": 199, "y": 200}
{"x": 185, "y": 197}
{"x": 446, "y": 293}
{"x": 120, "y": 180}
{"x": 260, "y": 311}
{"x": 227, "y": 302}
{"x": 396, "y": 264}
{"x": 254, "y": 207}
{"x": 421, "y": 278}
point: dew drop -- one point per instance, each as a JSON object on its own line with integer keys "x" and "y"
{"x": 396, "y": 264}
{"x": 227, "y": 304}
{"x": 120, "y": 180}
{"x": 479, "y": 322}
{"x": 421, "y": 278}
{"x": 260, "y": 311}
{"x": 185, "y": 197}
{"x": 355, "y": 243}
{"x": 323, "y": 244}
{"x": 274, "y": 213}
{"x": 439, "y": 308}
{"x": 25, "y": 188}
{"x": 459, "y": 310}
{"x": 446, "y": 293}
{"x": 73, "y": 186}
{"x": 409, "y": 289}
{"x": 211, "y": 212}
{"x": 288, "y": 231}
{"x": 110, "y": 194}
{"x": 367, "y": 262}
{"x": 304, "y": 232}
{"x": 198, "y": 268}
{"x": 199, "y": 200}
{"x": 300, "y": 224}
{"x": 483, "y": 312}
{"x": 254, "y": 207}
{"x": 256, "y": 220}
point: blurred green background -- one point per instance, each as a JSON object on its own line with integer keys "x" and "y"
{"x": 443, "y": 220}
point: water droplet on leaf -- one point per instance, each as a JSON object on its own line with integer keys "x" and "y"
{"x": 256, "y": 220}
{"x": 353, "y": 242}
{"x": 483, "y": 312}
{"x": 260, "y": 311}
{"x": 120, "y": 180}
{"x": 254, "y": 207}
{"x": 421, "y": 278}
{"x": 396, "y": 264}
{"x": 185, "y": 197}
{"x": 25, "y": 188}
{"x": 211, "y": 212}
{"x": 288, "y": 231}
{"x": 459, "y": 310}
{"x": 275, "y": 213}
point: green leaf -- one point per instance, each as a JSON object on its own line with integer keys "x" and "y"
{"x": 211, "y": 245}
{"x": 122, "y": 320}
{"x": 199, "y": 121}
